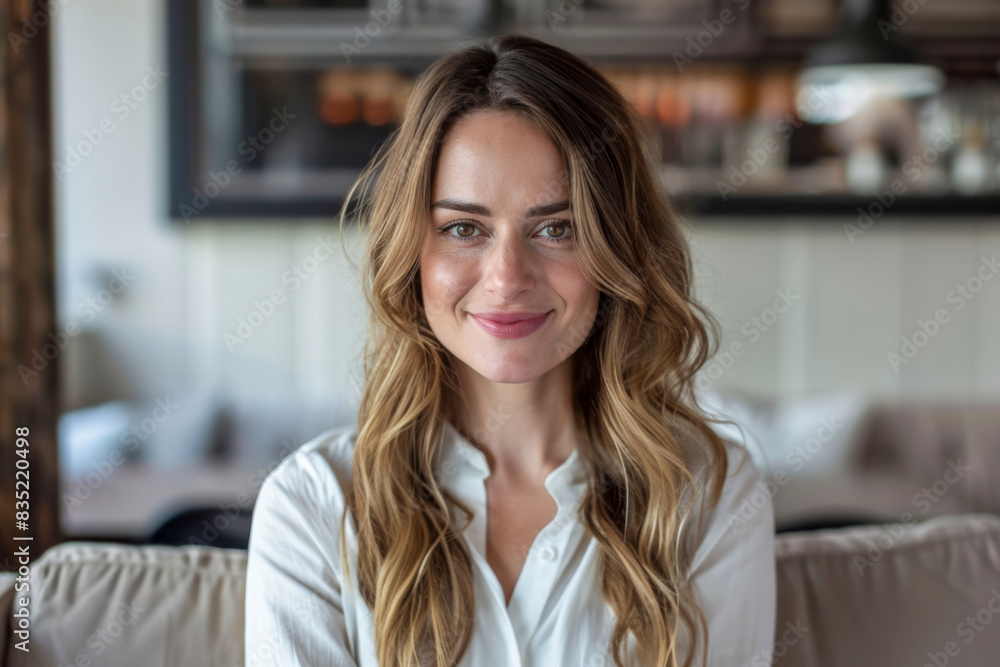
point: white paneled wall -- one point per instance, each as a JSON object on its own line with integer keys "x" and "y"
{"x": 165, "y": 332}
{"x": 856, "y": 303}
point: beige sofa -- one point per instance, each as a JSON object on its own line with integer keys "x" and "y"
{"x": 881, "y": 595}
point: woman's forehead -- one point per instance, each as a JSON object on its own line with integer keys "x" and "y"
{"x": 491, "y": 157}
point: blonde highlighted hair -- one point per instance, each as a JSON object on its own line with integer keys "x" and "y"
{"x": 633, "y": 373}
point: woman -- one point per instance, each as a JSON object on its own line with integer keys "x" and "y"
{"x": 530, "y": 481}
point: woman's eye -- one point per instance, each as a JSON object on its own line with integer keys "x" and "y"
{"x": 564, "y": 228}
{"x": 466, "y": 231}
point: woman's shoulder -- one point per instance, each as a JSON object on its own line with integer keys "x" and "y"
{"x": 713, "y": 522}
{"x": 318, "y": 472}
{"x": 294, "y": 564}
{"x": 701, "y": 458}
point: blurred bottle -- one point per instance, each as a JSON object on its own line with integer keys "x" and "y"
{"x": 378, "y": 105}
{"x": 993, "y": 127}
{"x": 673, "y": 113}
{"x": 973, "y": 165}
{"x": 643, "y": 91}
{"x": 970, "y": 171}
{"x": 939, "y": 119}
{"x": 339, "y": 104}
{"x": 714, "y": 112}
{"x": 765, "y": 145}
{"x": 374, "y": 96}
{"x": 865, "y": 167}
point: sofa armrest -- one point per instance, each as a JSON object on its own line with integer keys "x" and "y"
{"x": 118, "y": 605}
{"x": 889, "y": 594}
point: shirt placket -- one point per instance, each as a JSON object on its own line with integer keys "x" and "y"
{"x": 545, "y": 558}
{"x": 540, "y": 574}
{"x": 467, "y": 481}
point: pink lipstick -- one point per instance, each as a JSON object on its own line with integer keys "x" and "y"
{"x": 511, "y": 325}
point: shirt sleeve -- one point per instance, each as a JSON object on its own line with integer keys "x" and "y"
{"x": 294, "y": 612}
{"x": 733, "y": 569}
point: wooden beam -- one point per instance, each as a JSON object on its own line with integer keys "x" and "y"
{"x": 29, "y": 352}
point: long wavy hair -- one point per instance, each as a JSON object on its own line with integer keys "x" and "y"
{"x": 633, "y": 374}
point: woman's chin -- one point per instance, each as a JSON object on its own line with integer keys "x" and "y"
{"x": 508, "y": 373}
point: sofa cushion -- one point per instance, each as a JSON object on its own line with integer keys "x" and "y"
{"x": 922, "y": 594}
{"x": 890, "y": 594}
{"x": 862, "y": 498}
{"x": 120, "y": 605}
{"x": 922, "y": 441}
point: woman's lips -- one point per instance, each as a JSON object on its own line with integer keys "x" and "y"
{"x": 512, "y": 329}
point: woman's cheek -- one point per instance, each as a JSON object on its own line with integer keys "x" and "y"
{"x": 445, "y": 282}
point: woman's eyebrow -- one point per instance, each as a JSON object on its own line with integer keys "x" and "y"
{"x": 479, "y": 209}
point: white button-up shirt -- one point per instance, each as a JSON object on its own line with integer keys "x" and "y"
{"x": 300, "y": 612}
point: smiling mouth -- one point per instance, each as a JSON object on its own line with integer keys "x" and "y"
{"x": 509, "y": 330}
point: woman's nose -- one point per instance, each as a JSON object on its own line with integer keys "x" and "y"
{"x": 508, "y": 267}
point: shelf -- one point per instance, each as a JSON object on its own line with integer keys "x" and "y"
{"x": 209, "y": 56}
{"x": 320, "y": 36}
{"x": 845, "y": 208}
{"x": 927, "y": 207}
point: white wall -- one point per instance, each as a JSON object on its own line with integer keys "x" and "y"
{"x": 856, "y": 301}
{"x": 191, "y": 282}
{"x": 164, "y": 332}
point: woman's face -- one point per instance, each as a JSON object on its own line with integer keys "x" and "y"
{"x": 500, "y": 242}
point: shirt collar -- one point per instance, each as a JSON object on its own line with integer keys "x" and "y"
{"x": 461, "y": 459}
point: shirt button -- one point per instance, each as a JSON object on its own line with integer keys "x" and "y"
{"x": 547, "y": 553}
